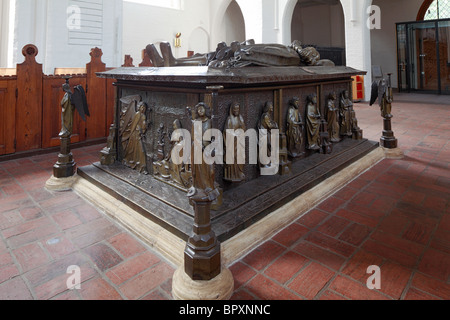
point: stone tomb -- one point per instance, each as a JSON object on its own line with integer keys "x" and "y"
{"x": 154, "y": 99}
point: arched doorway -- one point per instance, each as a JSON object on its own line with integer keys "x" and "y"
{"x": 199, "y": 41}
{"x": 321, "y": 24}
{"x": 233, "y": 24}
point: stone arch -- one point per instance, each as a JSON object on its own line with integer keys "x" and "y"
{"x": 234, "y": 23}
{"x": 217, "y": 32}
{"x": 199, "y": 40}
{"x": 423, "y": 9}
{"x": 287, "y": 21}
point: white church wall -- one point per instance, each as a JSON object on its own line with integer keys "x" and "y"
{"x": 128, "y": 27}
{"x": 144, "y": 24}
{"x": 357, "y": 42}
{"x": 3, "y": 33}
{"x": 44, "y": 23}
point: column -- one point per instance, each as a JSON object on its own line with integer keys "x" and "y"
{"x": 357, "y": 38}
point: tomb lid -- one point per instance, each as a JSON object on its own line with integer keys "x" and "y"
{"x": 229, "y": 77}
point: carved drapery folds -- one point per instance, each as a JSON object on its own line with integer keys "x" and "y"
{"x": 239, "y": 55}
{"x": 173, "y": 171}
{"x": 346, "y": 106}
{"x": 305, "y": 131}
{"x": 235, "y": 122}
{"x": 295, "y": 127}
{"x": 265, "y": 126}
{"x": 133, "y": 126}
{"x": 333, "y": 118}
{"x": 313, "y": 121}
{"x": 203, "y": 174}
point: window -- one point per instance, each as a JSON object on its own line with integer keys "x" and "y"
{"x": 438, "y": 9}
{"x": 85, "y": 21}
{"x": 172, "y": 4}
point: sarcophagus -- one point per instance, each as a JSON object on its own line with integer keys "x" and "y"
{"x": 297, "y": 124}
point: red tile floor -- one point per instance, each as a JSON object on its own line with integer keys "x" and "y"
{"x": 395, "y": 216}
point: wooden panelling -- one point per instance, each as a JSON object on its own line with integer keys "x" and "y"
{"x": 96, "y": 96}
{"x": 7, "y": 115}
{"x": 29, "y": 101}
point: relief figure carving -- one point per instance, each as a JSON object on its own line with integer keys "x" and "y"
{"x": 313, "y": 122}
{"x": 203, "y": 174}
{"x": 234, "y": 172}
{"x": 173, "y": 171}
{"x": 133, "y": 129}
{"x": 333, "y": 118}
{"x": 268, "y": 123}
{"x": 295, "y": 128}
{"x": 346, "y": 106}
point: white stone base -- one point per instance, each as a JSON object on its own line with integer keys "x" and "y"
{"x": 396, "y": 153}
{"x": 60, "y": 184}
{"x": 219, "y": 288}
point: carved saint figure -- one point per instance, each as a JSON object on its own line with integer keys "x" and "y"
{"x": 180, "y": 173}
{"x": 346, "y": 107}
{"x": 134, "y": 155}
{"x": 313, "y": 122}
{"x": 234, "y": 172}
{"x": 295, "y": 127}
{"x": 382, "y": 91}
{"x": 170, "y": 170}
{"x": 203, "y": 175}
{"x": 67, "y": 112}
{"x": 70, "y": 103}
{"x": 267, "y": 122}
{"x": 332, "y": 118}
{"x": 385, "y": 98}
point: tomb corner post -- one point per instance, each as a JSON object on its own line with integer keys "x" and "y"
{"x": 203, "y": 277}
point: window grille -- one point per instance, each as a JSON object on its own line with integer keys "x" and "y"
{"x": 85, "y": 22}
{"x": 438, "y": 9}
{"x": 172, "y": 4}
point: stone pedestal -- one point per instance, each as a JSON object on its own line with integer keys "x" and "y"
{"x": 388, "y": 139}
{"x": 202, "y": 254}
{"x": 64, "y": 171}
{"x": 60, "y": 184}
{"x": 219, "y": 288}
{"x": 395, "y": 153}
{"x": 66, "y": 166}
{"x": 202, "y": 277}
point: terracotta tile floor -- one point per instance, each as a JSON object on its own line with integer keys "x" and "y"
{"x": 395, "y": 216}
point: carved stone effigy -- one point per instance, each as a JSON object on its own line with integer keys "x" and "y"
{"x": 240, "y": 55}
